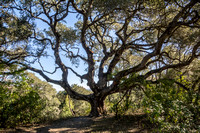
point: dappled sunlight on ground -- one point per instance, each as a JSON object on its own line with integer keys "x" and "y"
{"x": 106, "y": 124}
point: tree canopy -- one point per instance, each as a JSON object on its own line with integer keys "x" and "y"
{"x": 123, "y": 42}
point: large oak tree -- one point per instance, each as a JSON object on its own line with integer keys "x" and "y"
{"x": 116, "y": 39}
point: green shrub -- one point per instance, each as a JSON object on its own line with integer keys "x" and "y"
{"x": 172, "y": 108}
{"x": 19, "y": 104}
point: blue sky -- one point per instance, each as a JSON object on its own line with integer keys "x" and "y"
{"x": 48, "y": 63}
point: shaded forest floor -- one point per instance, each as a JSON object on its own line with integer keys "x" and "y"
{"x": 131, "y": 123}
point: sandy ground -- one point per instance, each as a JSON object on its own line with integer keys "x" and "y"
{"x": 87, "y": 125}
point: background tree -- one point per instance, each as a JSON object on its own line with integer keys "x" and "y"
{"x": 25, "y": 99}
{"x": 81, "y": 107}
{"x": 48, "y": 94}
{"x": 73, "y": 107}
{"x": 19, "y": 103}
{"x": 108, "y": 32}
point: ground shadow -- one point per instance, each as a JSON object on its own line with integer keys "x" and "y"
{"x": 129, "y": 123}
{"x": 73, "y": 124}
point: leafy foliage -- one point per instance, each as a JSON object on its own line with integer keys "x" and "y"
{"x": 14, "y": 34}
{"x": 73, "y": 107}
{"x": 47, "y": 93}
{"x": 66, "y": 107}
{"x": 26, "y": 99}
{"x": 19, "y": 103}
{"x": 124, "y": 103}
{"x": 172, "y": 107}
{"x": 81, "y": 107}
{"x": 118, "y": 105}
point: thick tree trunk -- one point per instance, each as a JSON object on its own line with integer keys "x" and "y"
{"x": 97, "y": 107}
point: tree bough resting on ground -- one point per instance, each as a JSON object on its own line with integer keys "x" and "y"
{"x": 119, "y": 41}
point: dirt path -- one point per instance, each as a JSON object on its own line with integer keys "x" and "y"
{"x": 86, "y": 124}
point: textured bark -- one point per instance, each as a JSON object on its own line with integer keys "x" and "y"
{"x": 97, "y": 107}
